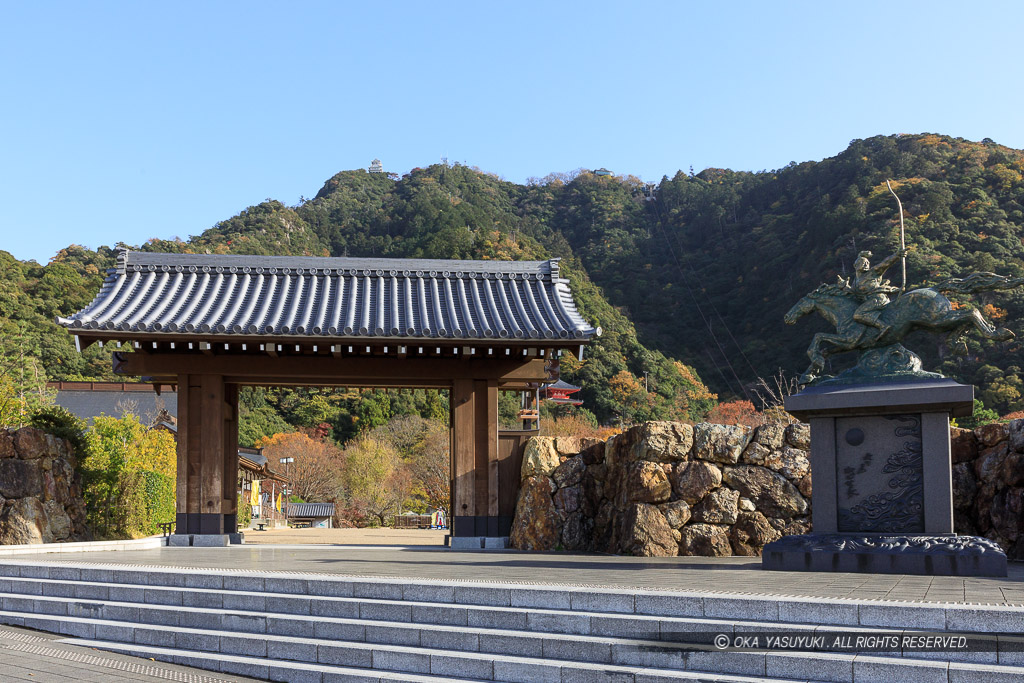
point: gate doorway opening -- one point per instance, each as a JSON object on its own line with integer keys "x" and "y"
{"x": 374, "y": 471}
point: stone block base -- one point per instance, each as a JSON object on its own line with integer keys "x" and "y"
{"x": 204, "y": 540}
{"x": 888, "y": 554}
{"x": 477, "y": 542}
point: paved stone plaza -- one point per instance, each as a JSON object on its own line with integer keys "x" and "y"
{"x": 735, "y": 575}
{"x": 27, "y": 655}
{"x": 369, "y": 536}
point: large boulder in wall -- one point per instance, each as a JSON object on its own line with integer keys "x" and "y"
{"x": 24, "y": 521}
{"x": 708, "y": 540}
{"x": 718, "y": 507}
{"x": 646, "y": 482}
{"x": 535, "y": 525}
{"x": 569, "y": 472}
{"x": 58, "y": 521}
{"x": 20, "y": 478}
{"x": 693, "y": 480}
{"x": 720, "y": 443}
{"x": 663, "y": 441}
{"x": 540, "y": 457}
{"x": 677, "y": 513}
{"x": 645, "y": 532}
{"x": 750, "y": 533}
{"x": 769, "y": 491}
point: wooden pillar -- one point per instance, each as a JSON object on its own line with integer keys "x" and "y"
{"x": 463, "y": 459}
{"x": 229, "y": 507}
{"x": 487, "y": 454}
{"x": 474, "y": 410}
{"x": 207, "y": 455}
{"x": 186, "y": 419}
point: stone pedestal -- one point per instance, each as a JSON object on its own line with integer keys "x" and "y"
{"x": 882, "y": 483}
{"x": 205, "y": 540}
{"x": 476, "y": 542}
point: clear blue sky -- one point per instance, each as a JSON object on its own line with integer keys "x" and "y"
{"x": 125, "y": 121}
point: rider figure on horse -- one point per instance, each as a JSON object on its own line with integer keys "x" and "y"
{"x": 871, "y": 289}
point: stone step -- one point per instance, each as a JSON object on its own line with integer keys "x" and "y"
{"x": 781, "y": 669}
{"x": 506, "y": 669}
{"x": 470, "y": 648}
{"x": 868, "y": 613}
{"x": 619, "y": 643}
{"x": 473, "y": 623}
{"x": 363, "y": 637}
{"x": 411, "y": 659}
{"x": 496, "y": 630}
{"x": 262, "y": 668}
{"x": 406, "y": 611}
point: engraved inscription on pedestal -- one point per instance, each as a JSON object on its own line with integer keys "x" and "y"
{"x": 879, "y": 474}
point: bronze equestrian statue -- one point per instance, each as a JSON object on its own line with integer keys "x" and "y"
{"x": 871, "y": 289}
{"x": 867, "y": 321}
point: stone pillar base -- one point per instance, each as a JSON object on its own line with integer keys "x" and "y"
{"x": 205, "y": 540}
{"x": 886, "y": 554}
{"x": 476, "y": 542}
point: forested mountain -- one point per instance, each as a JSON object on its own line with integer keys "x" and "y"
{"x": 746, "y": 246}
{"x": 704, "y": 265}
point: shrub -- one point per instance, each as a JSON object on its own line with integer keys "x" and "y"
{"x": 64, "y": 424}
{"x": 244, "y": 512}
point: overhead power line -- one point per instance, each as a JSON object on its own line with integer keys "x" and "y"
{"x": 707, "y": 323}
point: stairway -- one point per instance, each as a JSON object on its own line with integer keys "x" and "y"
{"x": 329, "y": 629}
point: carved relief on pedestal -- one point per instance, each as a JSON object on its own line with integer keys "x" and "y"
{"x": 879, "y": 474}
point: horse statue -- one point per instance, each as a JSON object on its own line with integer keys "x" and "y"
{"x": 882, "y": 356}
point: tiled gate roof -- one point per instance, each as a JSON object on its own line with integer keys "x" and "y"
{"x": 333, "y": 298}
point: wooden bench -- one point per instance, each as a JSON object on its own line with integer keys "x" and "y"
{"x": 411, "y": 521}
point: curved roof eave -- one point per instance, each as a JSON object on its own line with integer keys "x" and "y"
{"x": 286, "y": 299}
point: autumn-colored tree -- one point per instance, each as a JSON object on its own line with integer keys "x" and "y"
{"x": 402, "y": 433}
{"x": 993, "y": 312}
{"x": 624, "y": 386}
{"x": 629, "y": 394}
{"x": 576, "y": 425}
{"x": 736, "y": 412}
{"x": 1001, "y": 389}
{"x": 375, "y": 479}
{"x": 423, "y": 449}
{"x": 316, "y": 473}
{"x": 431, "y": 467}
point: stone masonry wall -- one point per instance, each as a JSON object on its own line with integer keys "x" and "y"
{"x": 40, "y": 491}
{"x": 988, "y": 484}
{"x": 666, "y": 488}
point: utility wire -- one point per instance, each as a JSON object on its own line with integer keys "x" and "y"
{"x": 714, "y": 308}
{"x": 707, "y": 323}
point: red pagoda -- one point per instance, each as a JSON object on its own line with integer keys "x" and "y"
{"x": 560, "y": 392}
